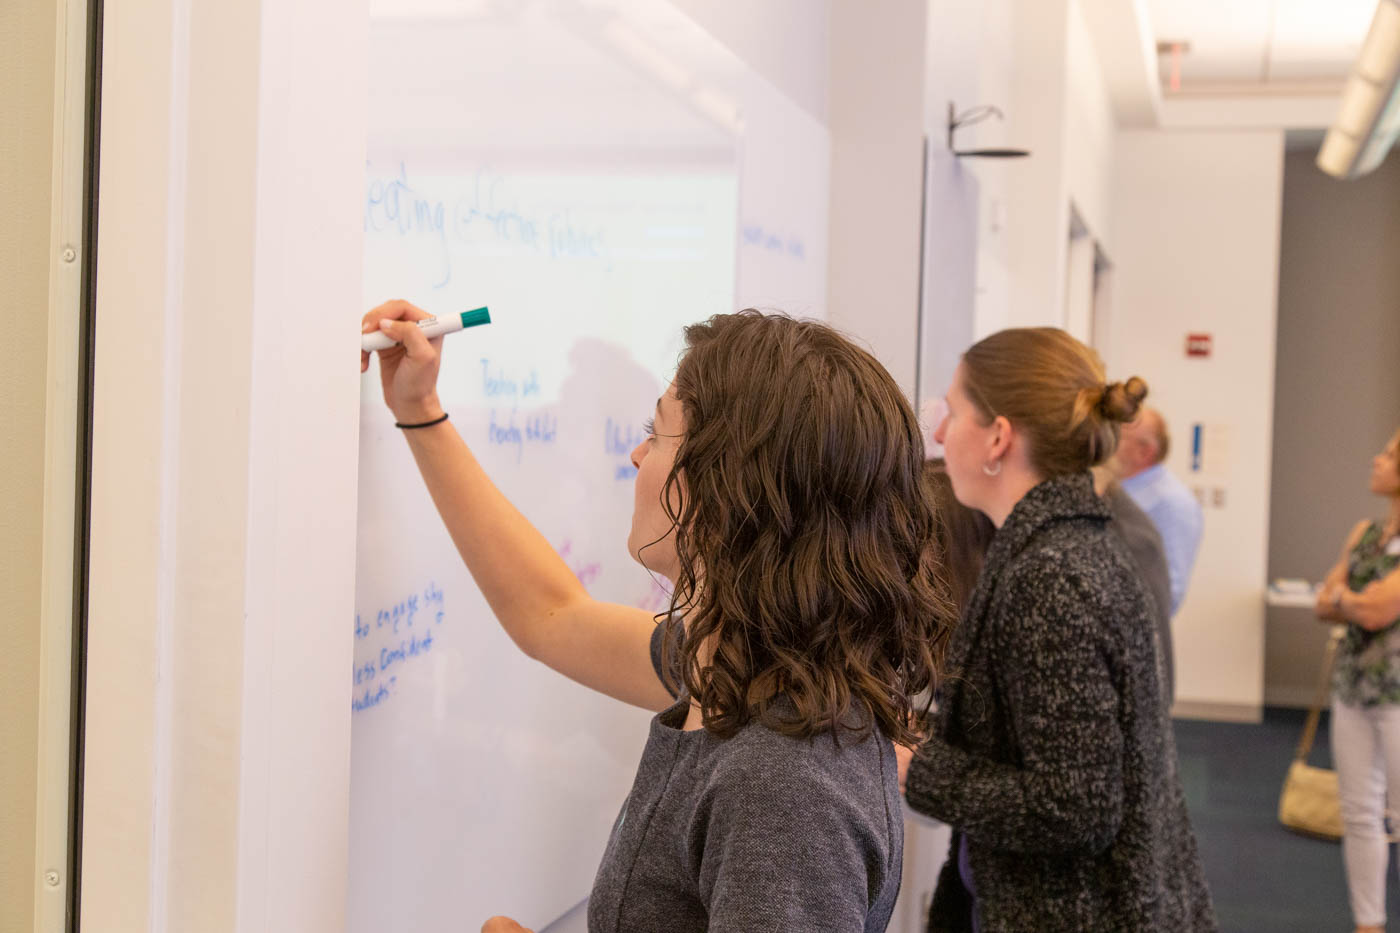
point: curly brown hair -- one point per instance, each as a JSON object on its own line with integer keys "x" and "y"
{"x": 806, "y": 542}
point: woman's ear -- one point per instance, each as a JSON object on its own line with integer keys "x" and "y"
{"x": 1001, "y": 438}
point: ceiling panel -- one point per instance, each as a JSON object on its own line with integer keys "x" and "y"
{"x": 1228, "y": 39}
{"x": 1257, "y": 41}
{"x": 1210, "y": 17}
{"x": 1317, "y": 40}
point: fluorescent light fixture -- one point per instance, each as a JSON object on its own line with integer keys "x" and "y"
{"x": 1369, "y": 117}
{"x": 1338, "y": 153}
{"x": 1360, "y": 103}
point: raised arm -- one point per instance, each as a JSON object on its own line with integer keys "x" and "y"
{"x": 539, "y": 602}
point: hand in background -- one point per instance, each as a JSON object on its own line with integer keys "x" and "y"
{"x": 1326, "y": 608}
{"x": 503, "y": 925}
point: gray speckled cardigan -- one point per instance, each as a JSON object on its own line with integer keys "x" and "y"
{"x": 1052, "y": 751}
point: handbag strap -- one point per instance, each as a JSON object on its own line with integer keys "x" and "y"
{"x": 1324, "y": 684}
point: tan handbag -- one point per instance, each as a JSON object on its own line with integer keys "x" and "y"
{"x": 1309, "y": 802}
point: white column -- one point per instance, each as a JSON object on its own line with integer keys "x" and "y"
{"x": 225, "y": 440}
{"x": 1197, "y": 231}
{"x": 1036, "y": 192}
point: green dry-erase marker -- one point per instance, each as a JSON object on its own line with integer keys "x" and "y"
{"x": 431, "y": 327}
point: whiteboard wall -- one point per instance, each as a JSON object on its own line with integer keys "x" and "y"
{"x": 599, "y": 174}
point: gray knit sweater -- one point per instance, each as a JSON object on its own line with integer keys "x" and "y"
{"x": 1051, "y": 751}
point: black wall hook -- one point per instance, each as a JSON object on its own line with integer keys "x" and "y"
{"x": 974, "y": 116}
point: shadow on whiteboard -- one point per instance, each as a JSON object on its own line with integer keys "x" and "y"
{"x": 482, "y": 782}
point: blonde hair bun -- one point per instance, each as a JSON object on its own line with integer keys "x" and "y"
{"x": 1051, "y": 388}
{"x": 1121, "y": 401}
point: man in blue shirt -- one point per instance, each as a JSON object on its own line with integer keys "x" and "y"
{"x": 1138, "y": 465}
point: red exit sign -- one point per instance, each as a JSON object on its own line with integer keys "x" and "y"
{"x": 1198, "y": 345}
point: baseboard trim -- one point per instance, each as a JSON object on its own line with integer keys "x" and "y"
{"x": 1218, "y": 712}
{"x": 1292, "y": 697}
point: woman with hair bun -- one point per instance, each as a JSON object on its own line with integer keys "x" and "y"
{"x": 1051, "y": 754}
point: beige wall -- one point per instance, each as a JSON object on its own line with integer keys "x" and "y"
{"x": 1337, "y": 390}
{"x": 26, "y": 142}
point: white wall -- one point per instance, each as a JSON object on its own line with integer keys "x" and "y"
{"x": 1080, "y": 289}
{"x": 1089, "y": 132}
{"x": 1037, "y": 202}
{"x": 1036, "y": 60}
{"x": 1040, "y": 65}
{"x": 970, "y": 55}
{"x": 1196, "y": 225}
{"x": 996, "y": 53}
{"x": 877, "y": 116}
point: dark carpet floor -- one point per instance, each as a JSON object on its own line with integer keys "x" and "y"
{"x": 1264, "y": 878}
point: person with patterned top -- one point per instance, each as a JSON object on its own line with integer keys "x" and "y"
{"x": 1363, "y": 591}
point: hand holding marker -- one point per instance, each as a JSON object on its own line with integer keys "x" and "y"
{"x": 411, "y": 390}
{"x": 431, "y": 327}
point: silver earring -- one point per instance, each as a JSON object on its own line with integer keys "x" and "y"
{"x": 991, "y": 472}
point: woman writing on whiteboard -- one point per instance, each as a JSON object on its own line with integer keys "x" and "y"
{"x": 779, "y": 490}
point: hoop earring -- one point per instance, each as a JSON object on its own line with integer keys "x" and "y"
{"x": 989, "y": 471}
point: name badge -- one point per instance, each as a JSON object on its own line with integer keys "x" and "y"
{"x": 1392, "y": 549}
